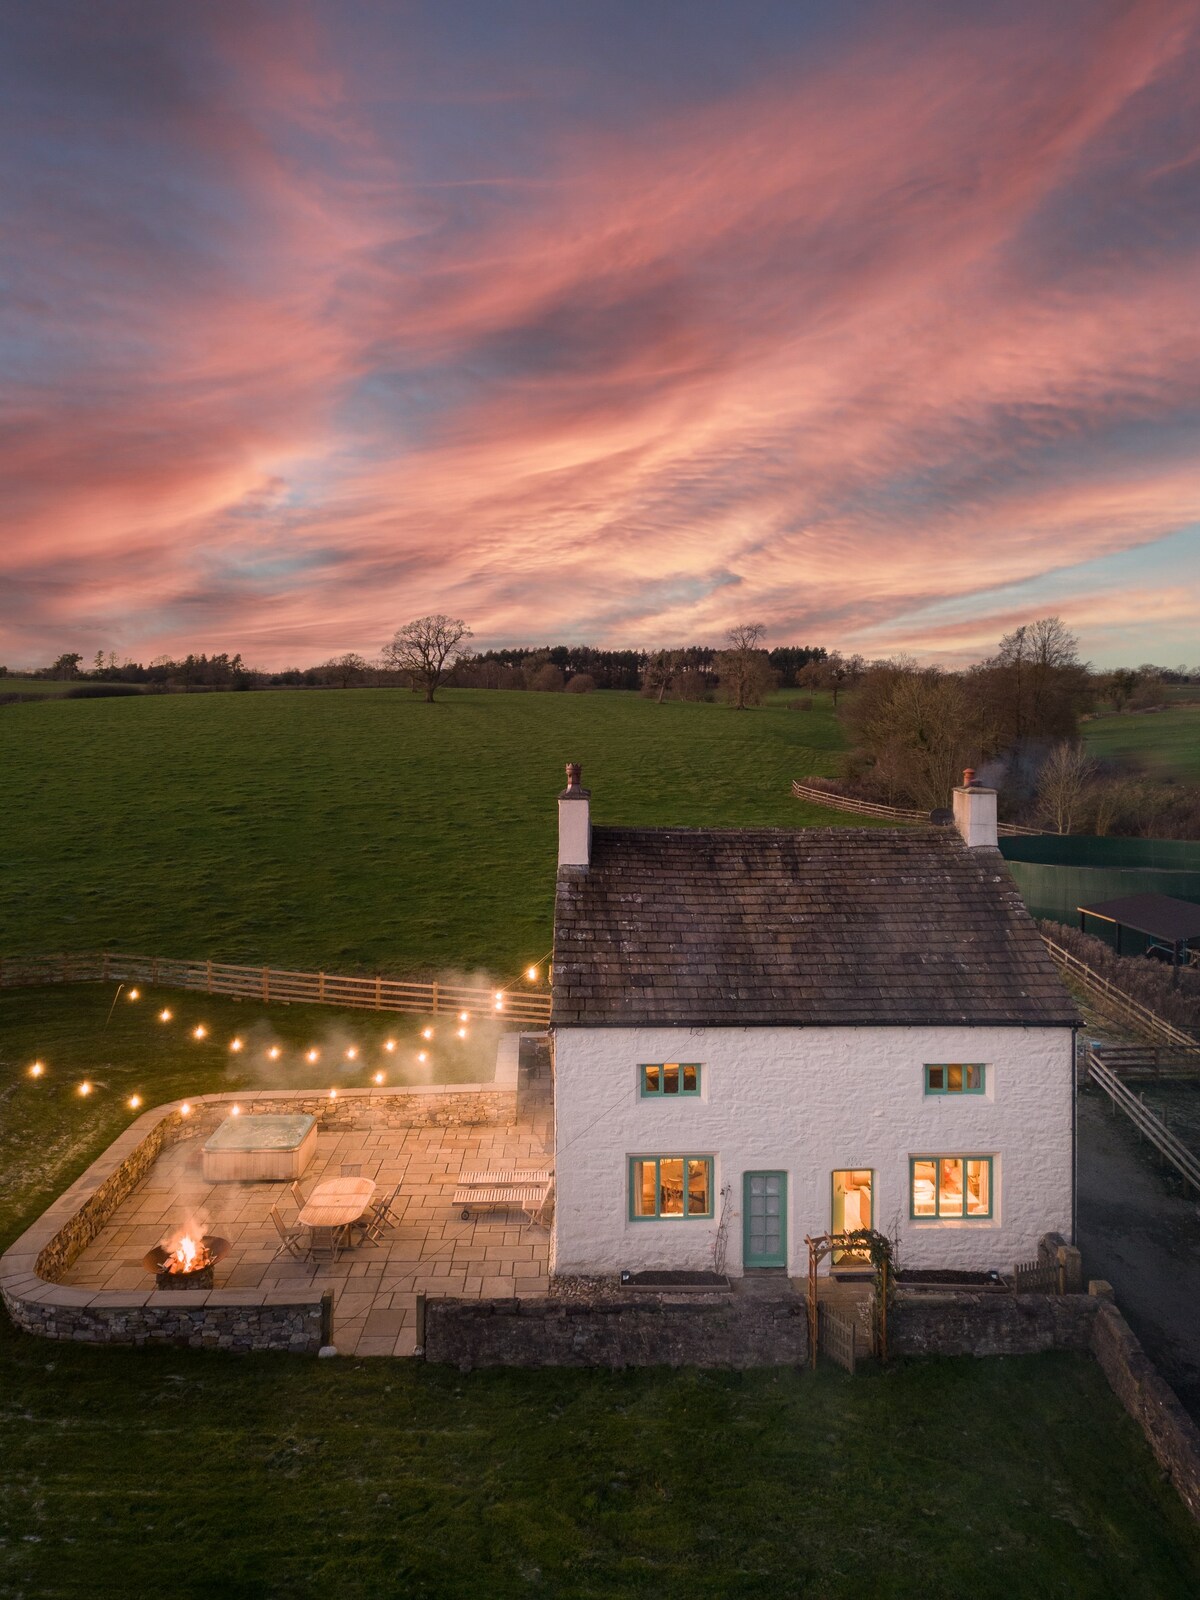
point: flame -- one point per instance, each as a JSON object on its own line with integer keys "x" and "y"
{"x": 186, "y": 1252}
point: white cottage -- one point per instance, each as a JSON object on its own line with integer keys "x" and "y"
{"x": 761, "y": 1034}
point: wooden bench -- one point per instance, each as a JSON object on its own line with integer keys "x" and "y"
{"x": 515, "y": 1186}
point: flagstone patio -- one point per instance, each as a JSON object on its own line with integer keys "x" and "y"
{"x": 375, "y": 1285}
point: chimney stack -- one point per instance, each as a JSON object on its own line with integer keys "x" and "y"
{"x": 975, "y": 813}
{"x": 574, "y": 821}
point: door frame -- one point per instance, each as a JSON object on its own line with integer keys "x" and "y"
{"x": 765, "y": 1172}
{"x": 838, "y": 1256}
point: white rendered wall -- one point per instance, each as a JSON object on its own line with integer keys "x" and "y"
{"x": 809, "y": 1101}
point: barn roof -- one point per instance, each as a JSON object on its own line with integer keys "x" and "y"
{"x": 1162, "y": 916}
{"x": 770, "y": 927}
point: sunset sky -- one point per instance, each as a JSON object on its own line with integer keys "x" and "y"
{"x": 599, "y": 322}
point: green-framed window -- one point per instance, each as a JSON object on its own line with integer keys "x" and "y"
{"x": 670, "y": 1186}
{"x": 950, "y": 1186}
{"x": 668, "y": 1078}
{"x": 954, "y": 1077}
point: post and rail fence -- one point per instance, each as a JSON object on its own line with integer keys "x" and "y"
{"x": 870, "y": 808}
{"x": 275, "y": 985}
{"x": 1144, "y": 1120}
{"x": 1109, "y": 996}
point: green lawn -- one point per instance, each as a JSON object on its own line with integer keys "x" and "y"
{"x": 1165, "y": 744}
{"x": 356, "y": 830}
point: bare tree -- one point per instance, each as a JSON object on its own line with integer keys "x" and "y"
{"x": 422, "y": 648}
{"x": 1063, "y": 781}
{"x": 743, "y": 671}
{"x": 345, "y": 670}
{"x": 833, "y": 671}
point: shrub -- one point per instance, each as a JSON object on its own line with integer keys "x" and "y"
{"x": 1148, "y": 981}
{"x": 581, "y": 683}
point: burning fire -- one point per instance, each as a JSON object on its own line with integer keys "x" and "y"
{"x": 185, "y": 1254}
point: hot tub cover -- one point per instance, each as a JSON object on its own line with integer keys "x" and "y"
{"x": 261, "y": 1133}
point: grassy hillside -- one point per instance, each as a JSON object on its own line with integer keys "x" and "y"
{"x": 362, "y": 829}
{"x": 1165, "y": 744}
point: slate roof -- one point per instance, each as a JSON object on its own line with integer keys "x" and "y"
{"x": 821, "y": 926}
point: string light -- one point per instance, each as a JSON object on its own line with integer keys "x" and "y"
{"x": 427, "y": 1033}
{"x": 531, "y": 974}
{"x": 164, "y": 1015}
{"x": 333, "y": 1094}
{"x": 85, "y": 1088}
{"x": 422, "y": 1055}
{"x": 389, "y": 1044}
{"x": 36, "y": 1070}
{"x": 185, "y": 1110}
{"x": 379, "y": 1077}
{"x": 235, "y": 1045}
{"x": 312, "y": 1055}
{"x": 499, "y": 1004}
{"x": 199, "y": 1031}
{"x": 352, "y": 1053}
{"x": 134, "y": 994}
{"x": 273, "y": 1052}
{"x": 235, "y": 1111}
{"x": 462, "y": 1033}
{"x": 135, "y": 1101}
{"x": 464, "y": 1016}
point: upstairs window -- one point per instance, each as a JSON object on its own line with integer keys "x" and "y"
{"x": 951, "y": 1186}
{"x": 670, "y": 1186}
{"x": 669, "y": 1078}
{"x": 954, "y": 1077}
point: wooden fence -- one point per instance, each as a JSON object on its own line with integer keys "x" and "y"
{"x": 277, "y": 985}
{"x": 1144, "y": 1120}
{"x": 1123, "y": 1006}
{"x": 868, "y": 808}
{"x": 1039, "y": 1277}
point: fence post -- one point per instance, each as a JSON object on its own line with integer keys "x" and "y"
{"x": 435, "y": 996}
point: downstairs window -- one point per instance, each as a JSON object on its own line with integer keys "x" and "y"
{"x": 670, "y": 1186}
{"x": 951, "y": 1186}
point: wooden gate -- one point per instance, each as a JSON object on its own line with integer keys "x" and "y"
{"x": 838, "y": 1336}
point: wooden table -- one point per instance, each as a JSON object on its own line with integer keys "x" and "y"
{"x": 337, "y": 1204}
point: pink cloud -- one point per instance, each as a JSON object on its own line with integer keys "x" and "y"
{"x": 796, "y": 353}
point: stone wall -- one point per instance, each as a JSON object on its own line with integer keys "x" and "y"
{"x": 226, "y": 1319}
{"x": 1153, "y": 1405}
{"x": 699, "y": 1331}
{"x": 988, "y": 1323}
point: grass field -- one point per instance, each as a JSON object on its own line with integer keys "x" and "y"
{"x": 130, "y": 1473}
{"x": 1164, "y": 744}
{"x": 360, "y": 830}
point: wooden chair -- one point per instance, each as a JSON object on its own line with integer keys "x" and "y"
{"x": 291, "y": 1240}
{"x": 297, "y": 1194}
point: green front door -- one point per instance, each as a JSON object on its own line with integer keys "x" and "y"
{"x": 764, "y": 1219}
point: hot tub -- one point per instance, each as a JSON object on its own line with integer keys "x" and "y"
{"x": 257, "y": 1149}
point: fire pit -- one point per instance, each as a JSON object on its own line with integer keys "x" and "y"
{"x": 187, "y": 1264}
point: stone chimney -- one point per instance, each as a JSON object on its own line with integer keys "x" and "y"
{"x": 574, "y": 821}
{"x": 975, "y": 813}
